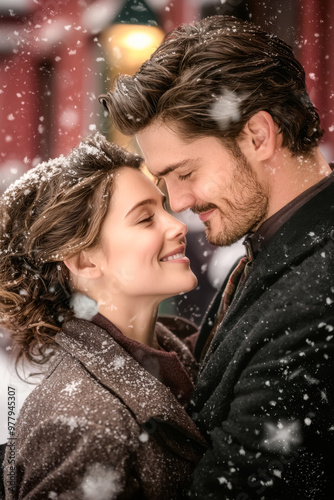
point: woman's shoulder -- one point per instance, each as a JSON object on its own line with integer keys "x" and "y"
{"x": 94, "y": 376}
{"x": 70, "y": 420}
{"x": 70, "y": 395}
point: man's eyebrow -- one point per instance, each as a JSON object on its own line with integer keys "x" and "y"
{"x": 171, "y": 168}
{"x": 148, "y": 201}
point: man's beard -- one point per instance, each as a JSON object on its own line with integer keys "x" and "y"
{"x": 243, "y": 211}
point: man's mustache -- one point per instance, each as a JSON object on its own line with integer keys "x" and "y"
{"x": 197, "y": 209}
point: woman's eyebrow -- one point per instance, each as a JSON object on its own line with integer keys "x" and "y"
{"x": 148, "y": 201}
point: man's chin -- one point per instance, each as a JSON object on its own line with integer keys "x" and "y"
{"x": 221, "y": 239}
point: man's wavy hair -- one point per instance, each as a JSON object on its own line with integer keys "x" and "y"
{"x": 51, "y": 213}
{"x": 209, "y": 78}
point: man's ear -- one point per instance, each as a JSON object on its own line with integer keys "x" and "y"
{"x": 82, "y": 265}
{"x": 262, "y": 133}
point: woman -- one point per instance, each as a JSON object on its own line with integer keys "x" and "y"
{"x": 87, "y": 254}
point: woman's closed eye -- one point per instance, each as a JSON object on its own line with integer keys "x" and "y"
{"x": 145, "y": 219}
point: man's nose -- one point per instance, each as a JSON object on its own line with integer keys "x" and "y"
{"x": 180, "y": 198}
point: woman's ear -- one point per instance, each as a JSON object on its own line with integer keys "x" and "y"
{"x": 82, "y": 265}
{"x": 262, "y": 133}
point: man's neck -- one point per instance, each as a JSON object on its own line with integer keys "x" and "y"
{"x": 258, "y": 239}
{"x": 289, "y": 176}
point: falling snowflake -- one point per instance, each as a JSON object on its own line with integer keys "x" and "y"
{"x": 226, "y": 109}
{"x": 72, "y": 387}
{"x": 118, "y": 362}
{"x": 100, "y": 482}
{"x": 83, "y": 306}
{"x": 223, "y": 480}
{"x": 144, "y": 437}
{"x": 282, "y": 436}
{"x": 72, "y": 422}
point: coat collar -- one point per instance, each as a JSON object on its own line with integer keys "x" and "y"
{"x": 147, "y": 398}
{"x": 309, "y": 229}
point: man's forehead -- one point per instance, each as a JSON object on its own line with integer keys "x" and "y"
{"x": 165, "y": 151}
{"x": 157, "y": 135}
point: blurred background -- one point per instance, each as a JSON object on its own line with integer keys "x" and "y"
{"x": 57, "y": 56}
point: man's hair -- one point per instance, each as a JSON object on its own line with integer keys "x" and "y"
{"x": 209, "y": 78}
{"x": 51, "y": 213}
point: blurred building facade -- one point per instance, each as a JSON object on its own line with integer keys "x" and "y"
{"x": 54, "y": 62}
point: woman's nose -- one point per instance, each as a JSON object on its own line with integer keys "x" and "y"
{"x": 175, "y": 228}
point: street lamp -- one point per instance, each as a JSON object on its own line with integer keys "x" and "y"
{"x": 132, "y": 37}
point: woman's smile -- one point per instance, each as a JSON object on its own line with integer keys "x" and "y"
{"x": 176, "y": 256}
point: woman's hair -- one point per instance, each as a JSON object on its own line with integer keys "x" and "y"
{"x": 52, "y": 212}
{"x": 209, "y": 78}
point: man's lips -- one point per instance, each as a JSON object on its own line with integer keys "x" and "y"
{"x": 204, "y": 216}
{"x": 176, "y": 255}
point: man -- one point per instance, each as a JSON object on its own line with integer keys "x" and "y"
{"x": 221, "y": 113}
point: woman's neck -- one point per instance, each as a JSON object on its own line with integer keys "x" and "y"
{"x": 136, "y": 319}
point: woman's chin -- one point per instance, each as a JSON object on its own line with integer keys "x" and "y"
{"x": 188, "y": 285}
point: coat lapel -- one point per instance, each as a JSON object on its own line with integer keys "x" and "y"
{"x": 149, "y": 400}
{"x": 307, "y": 230}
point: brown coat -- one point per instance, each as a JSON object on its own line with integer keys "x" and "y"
{"x": 101, "y": 427}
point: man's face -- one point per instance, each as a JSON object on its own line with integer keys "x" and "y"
{"x": 203, "y": 175}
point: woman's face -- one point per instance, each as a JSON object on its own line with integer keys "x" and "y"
{"x": 142, "y": 247}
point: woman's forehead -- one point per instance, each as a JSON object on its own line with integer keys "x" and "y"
{"x": 131, "y": 186}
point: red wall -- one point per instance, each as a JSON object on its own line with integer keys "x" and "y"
{"x": 316, "y": 54}
{"x": 47, "y": 80}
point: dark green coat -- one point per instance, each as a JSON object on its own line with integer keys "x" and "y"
{"x": 265, "y": 395}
